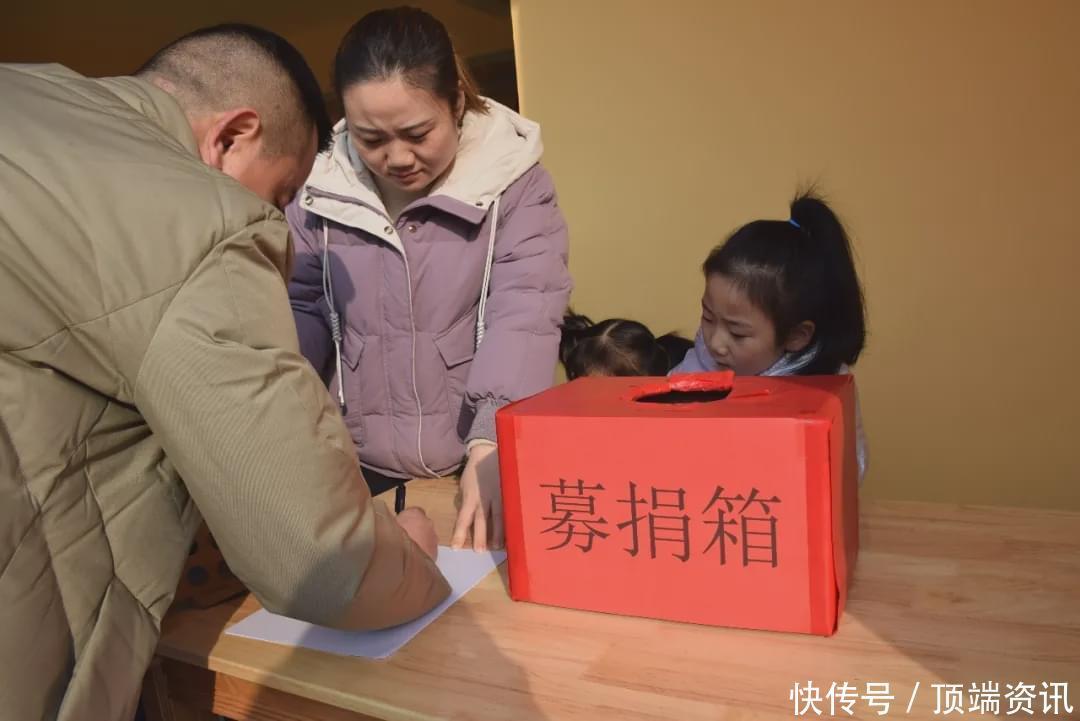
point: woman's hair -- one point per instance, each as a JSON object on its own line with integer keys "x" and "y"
{"x": 616, "y": 347}
{"x": 800, "y": 270}
{"x": 410, "y": 43}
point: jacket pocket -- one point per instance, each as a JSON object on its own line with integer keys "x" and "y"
{"x": 352, "y": 351}
{"x": 352, "y": 347}
{"x": 457, "y": 344}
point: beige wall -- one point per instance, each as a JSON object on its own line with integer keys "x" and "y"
{"x": 946, "y": 133}
{"x": 115, "y": 37}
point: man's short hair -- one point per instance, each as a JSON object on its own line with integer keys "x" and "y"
{"x": 235, "y": 65}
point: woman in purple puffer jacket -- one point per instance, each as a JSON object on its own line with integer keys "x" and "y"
{"x": 431, "y": 263}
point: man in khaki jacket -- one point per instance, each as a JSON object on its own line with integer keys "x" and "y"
{"x": 150, "y": 373}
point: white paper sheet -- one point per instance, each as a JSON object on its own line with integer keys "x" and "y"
{"x": 463, "y": 569}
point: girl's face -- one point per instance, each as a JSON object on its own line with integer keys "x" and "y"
{"x": 405, "y": 135}
{"x": 738, "y": 334}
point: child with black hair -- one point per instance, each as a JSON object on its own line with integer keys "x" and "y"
{"x": 616, "y": 347}
{"x": 782, "y": 298}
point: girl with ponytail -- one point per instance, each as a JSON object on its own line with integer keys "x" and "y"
{"x": 782, "y": 297}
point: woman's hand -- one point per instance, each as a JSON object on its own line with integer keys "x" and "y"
{"x": 481, "y": 500}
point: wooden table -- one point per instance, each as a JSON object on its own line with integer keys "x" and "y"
{"x": 942, "y": 594}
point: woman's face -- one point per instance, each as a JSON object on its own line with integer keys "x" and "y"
{"x": 405, "y": 135}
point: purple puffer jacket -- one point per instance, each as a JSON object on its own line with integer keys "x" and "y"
{"x": 416, "y": 385}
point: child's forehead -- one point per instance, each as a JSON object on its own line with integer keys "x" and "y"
{"x": 723, "y": 292}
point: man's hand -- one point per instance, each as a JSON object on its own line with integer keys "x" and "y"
{"x": 420, "y": 529}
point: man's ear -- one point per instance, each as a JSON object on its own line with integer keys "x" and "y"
{"x": 799, "y": 337}
{"x": 230, "y": 132}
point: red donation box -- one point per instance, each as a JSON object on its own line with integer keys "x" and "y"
{"x": 702, "y": 498}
